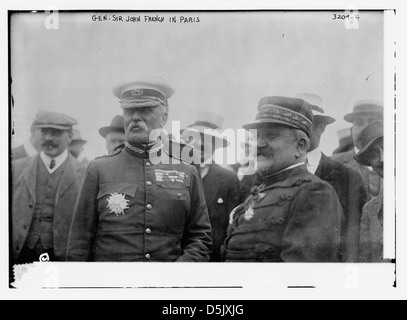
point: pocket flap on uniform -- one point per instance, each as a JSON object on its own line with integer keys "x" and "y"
{"x": 119, "y": 187}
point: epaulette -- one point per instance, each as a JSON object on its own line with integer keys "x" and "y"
{"x": 115, "y": 152}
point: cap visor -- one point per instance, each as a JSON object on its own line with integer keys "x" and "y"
{"x": 267, "y": 123}
{"x": 53, "y": 126}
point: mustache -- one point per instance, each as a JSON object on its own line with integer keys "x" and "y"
{"x": 138, "y": 123}
{"x": 49, "y": 144}
{"x": 262, "y": 152}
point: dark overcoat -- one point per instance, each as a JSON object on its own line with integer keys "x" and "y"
{"x": 222, "y": 194}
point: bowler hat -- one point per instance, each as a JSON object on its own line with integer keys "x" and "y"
{"x": 293, "y": 112}
{"x": 317, "y": 107}
{"x": 54, "y": 120}
{"x": 143, "y": 92}
{"x": 117, "y": 124}
{"x": 368, "y": 137}
{"x": 365, "y": 107}
{"x": 210, "y": 124}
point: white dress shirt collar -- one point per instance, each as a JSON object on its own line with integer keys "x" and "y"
{"x": 59, "y": 160}
{"x": 314, "y": 158}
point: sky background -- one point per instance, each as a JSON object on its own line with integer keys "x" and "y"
{"x": 225, "y": 63}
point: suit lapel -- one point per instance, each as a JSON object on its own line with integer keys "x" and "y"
{"x": 68, "y": 177}
{"x": 212, "y": 183}
{"x": 324, "y": 170}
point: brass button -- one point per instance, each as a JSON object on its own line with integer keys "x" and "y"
{"x": 149, "y": 206}
{"x": 148, "y": 256}
{"x": 148, "y": 164}
{"x": 179, "y": 195}
{"x": 149, "y": 183}
{"x": 148, "y": 230}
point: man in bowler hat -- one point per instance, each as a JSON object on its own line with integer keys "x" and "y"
{"x": 364, "y": 113}
{"x": 221, "y": 186}
{"x": 45, "y": 188}
{"x": 371, "y": 233}
{"x": 114, "y": 134}
{"x": 348, "y": 185}
{"x": 136, "y": 204}
{"x": 292, "y": 216}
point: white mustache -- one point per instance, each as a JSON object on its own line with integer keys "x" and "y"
{"x": 141, "y": 124}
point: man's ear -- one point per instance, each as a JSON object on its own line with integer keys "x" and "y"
{"x": 303, "y": 145}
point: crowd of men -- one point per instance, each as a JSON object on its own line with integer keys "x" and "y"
{"x": 300, "y": 206}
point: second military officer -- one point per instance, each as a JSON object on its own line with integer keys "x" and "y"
{"x": 132, "y": 209}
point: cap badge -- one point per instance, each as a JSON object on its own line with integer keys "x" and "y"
{"x": 136, "y": 92}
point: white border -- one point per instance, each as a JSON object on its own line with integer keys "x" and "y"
{"x": 254, "y": 290}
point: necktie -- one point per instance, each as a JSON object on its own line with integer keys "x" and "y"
{"x": 52, "y": 164}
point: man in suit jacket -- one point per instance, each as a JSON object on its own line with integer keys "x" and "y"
{"x": 347, "y": 183}
{"x": 221, "y": 186}
{"x": 371, "y": 232}
{"x": 45, "y": 188}
{"x": 364, "y": 113}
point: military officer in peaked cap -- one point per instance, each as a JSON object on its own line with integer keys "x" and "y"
{"x": 292, "y": 216}
{"x": 133, "y": 207}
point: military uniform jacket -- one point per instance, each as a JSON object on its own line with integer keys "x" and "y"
{"x": 221, "y": 188}
{"x": 352, "y": 195}
{"x": 293, "y": 216}
{"x": 24, "y": 197}
{"x": 164, "y": 215}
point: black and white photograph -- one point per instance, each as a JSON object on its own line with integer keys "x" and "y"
{"x": 247, "y": 145}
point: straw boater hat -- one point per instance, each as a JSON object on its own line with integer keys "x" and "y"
{"x": 366, "y": 107}
{"x": 317, "y": 107}
{"x": 77, "y": 136}
{"x": 368, "y": 137}
{"x": 208, "y": 123}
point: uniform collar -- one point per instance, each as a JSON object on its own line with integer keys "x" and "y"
{"x": 285, "y": 173}
{"x": 59, "y": 160}
{"x": 143, "y": 150}
{"x": 313, "y": 160}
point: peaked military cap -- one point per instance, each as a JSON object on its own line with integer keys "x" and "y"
{"x": 143, "y": 92}
{"x": 293, "y": 112}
